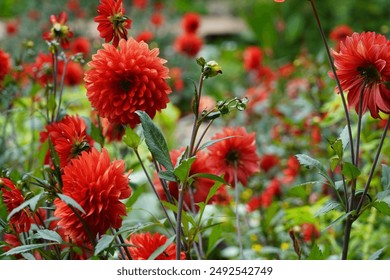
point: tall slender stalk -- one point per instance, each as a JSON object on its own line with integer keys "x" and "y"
{"x": 237, "y": 196}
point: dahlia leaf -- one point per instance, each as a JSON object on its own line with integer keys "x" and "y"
{"x": 327, "y": 208}
{"x": 350, "y": 171}
{"x": 315, "y": 253}
{"x": 309, "y": 162}
{"x": 155, "y": 141}
{"x": 71, "y": 202}
{"x": 167, "y": 175}
{"x": 378, "y": 253}
{"x": 31, "y": 203}
{"x": 26, "y": 248}
{"x": 183, "y": 169}
{"x": 50, "y": 235}
{"x": 162, "y": 248}
{"x": 212, "y": 142}
{"x": 103, "y": 243}
{"x": 383, "y": 207}
{"x": 211, "y": 177}
{"x": 385, "y": 177}
{"x": 339, "y": 219}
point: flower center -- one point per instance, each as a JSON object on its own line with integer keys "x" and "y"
{"x": 370, "y": 73}
{"x": 232, "y": 157}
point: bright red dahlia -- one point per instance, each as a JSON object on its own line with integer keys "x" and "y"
{"x": 113, "y": 24}
{"x": 12, "y": 198}
{"x": 190, "y": 22}
{"x": 59, "y": 31}
{"x": 253, "y": 57}
{"x": 339, "y": 33}
{"x": 238, "y": 152}
{"x": 188, "y": 44}
{"x": 145, "y": 244}
{"x": 5, "y": 64}
{"x": 69, "y": 137}
{"x": 97, "y": 185}
{"x": 364, "y": 61}
{"x": 309, "y": 232}
{"x": 127, "y": 79}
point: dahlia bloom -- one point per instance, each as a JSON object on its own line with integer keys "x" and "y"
{"x": 157, "y": 19}
{"x": 339, "y": 33}
{"x": 188, "y": 44}
{"x": 309, "y": 232}
{"x": 12, "y": 198}
{"x": 239, "y": 151}
{"x": 268, "y": 161}
{"x": 364, "y": 61}
{"x": 264, "y": 200}
{"x": 253, "y": 57}
{"x": 5, "y": 64}
{"x": 190, "y": 22}
{"x": 127, "y": 79}
{"x": 200, "y": 186}
{"x": 97, "y": 185}
{"x": 69, "y": 137}
{"x": 292, "y": 170}
{"x": 145, "y": 36}
{"x": 112, "y": 23}
{"x": 144, "y": 245}
{"x": 81, "y": 45}
{"x": 59, "y": 31}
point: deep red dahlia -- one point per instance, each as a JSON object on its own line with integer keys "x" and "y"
{"x": 127, "y": 79}
{"x": 12, "y": 198}
{"x": 292, "y": 169}
{"x": 113, "y": 24}
{"x": 97, "y": 185}
{"x": 190, "y": 22}
{"x": 81, "y": 45}
{"x": 140, "y": 4}
{"x": 145, "y": 244}
{"x": 309, "y": 232}
{"x": 69, "y": 137}
{"x": 5, "y": 64}
{"x": 239, "y": 151}
{"x": 253, "y": 57}
{"x": 268, "y": 161}
{"x": 157, "y": 19}
{"x": 188, "y": 44}
{"x": 59, "y": 31}
{"x": 145, "y": 36}
{"x": 340, "y": 32}
{"x": 364, "y": 61}
{"x": 74, "y": 74}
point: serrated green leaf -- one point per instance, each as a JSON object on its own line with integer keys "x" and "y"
{"x": 377, "y": 254}
{"x": 50, "y": 235}
{"x": 385, "y": 177}
{"x": 131, "y": 138}
{"x": 212, "y": 142}
{"x": 31, "y": 203}
{"x": 167, "y": 175}
{"x": 70, "y": 201}
{"x": 155, "y": 141}
{"x": 215, "y": 238}
{"x": 26, "y": 248}
{"x": 103, "y": 243}
{"x": 315, "y": 253}
{"x": 309, "y": 162}
{"x": 382, "y": 206}
{"x": 350, "y": 171}
{"x": 332, "y": 205}
{"x": 333, "y": 163}
{"x": 162, "y": 248}
{"x": 337, "y": 146}
{"x": 183, "y": 169}
{"x": 211, "y": 177}
{"x": 344, "y": 137}
{"x": 338, "y": 220}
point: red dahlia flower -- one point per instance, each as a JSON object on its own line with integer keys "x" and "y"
{"x": 97, "y": 185}
{"x": 81, "y": 45}
{"x": 188, "y": 44}
{"x": 144, "y": 245}
{"x": 309, "y": 232}
{"x": 69, "y": 137}
{"x": 59, "y": 31}
{"x": 113, "y": 24}
{"x": 253, "y": 57}
{"x": 363, "y": 64}
{"x": 190, "y": 22}
{"x": 238, "y": 152}
{"x": 127, "y": 79}
{"x": 339, "y": 33}
{"x": 268, "y": 161}
{"x": 5, "y": 64}
{"x": 12, "y": 198}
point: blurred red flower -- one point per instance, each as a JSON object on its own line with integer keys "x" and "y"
{"x": 12, "y": 27}
{"x": 127, "y": 79}
{"x": 81, "y": 45}
{"x": 237, "y": 152}
{"x": 188, "y": 44}
{"x": 69, "y": 138}
{"x": 264, "y": 200}
{"x": 74, "y": 74}
{"x": 59, "y": 31}
{"x": 112, "y": 23}
{"x": 13, "y": 198}
{"x": 292, "y": 170}
{"x": 144, "y": 245}
{"x": 140, "y": 4}
{"x": 97, "y": 185}
{"x": 5, "y": 64}
{"x": 190, "y": 22}
{"x": 157, "y": 19}
{"x": 339, "y": 33}
{"x": 268, "y": 161}
{"x": 309, "y": 232}
{"x": 145, "y": 36}
{"x": 364, "y": 61}
{"x": 253, "y": 57}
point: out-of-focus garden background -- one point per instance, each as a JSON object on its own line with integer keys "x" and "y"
{"x": 292, "y": 108}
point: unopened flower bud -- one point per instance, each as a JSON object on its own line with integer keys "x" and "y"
{"x": 211, "y": 69}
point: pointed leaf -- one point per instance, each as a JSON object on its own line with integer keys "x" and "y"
{"x": 350, "y": 171}
{"x": 212, "y": 142}
{"x": 26, "y": 248}
{"x": 315, "y": 253}
{"x": 162, "y": 248}
{"x": 103, "y": 243}
{"x": 183, "y": 169}
{"x": 309, "y": 162}
{"x": 383, "y": 207}
{"x": 167, "y": 175}
{"x": 31, "y": 203}
{"x": 385, "y": 177}
{"x": 131, "y": 138}
{"x": 50, "y": 235}
{"x": 332, "y": 205}
{"x": 377, "y": 254}
{"x": 211, "y": 177}
{"x": 155, "y": 141}
{"x": 70, "y": 201}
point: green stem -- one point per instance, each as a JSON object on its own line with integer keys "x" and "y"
{"x": 237, "y": 197}
{"x": 61, "y": 89}
{"x": 333, "y": 68}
